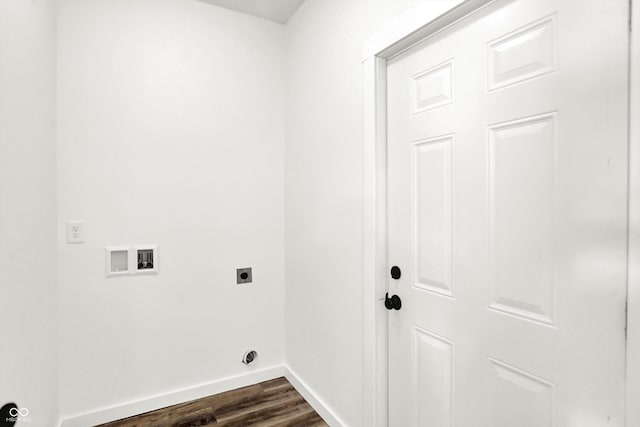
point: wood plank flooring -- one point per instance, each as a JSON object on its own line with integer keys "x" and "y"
{"x": 273, "y": 403}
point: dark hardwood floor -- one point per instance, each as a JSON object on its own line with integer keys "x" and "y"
{"x": 273, "y": 403}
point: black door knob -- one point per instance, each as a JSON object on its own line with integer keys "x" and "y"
{"x": 393, "y": 303}
{"x": 395, "y": 272}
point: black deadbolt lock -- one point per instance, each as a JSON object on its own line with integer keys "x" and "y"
{"x": 393, "y": 303}
{"x": 395, "y": 272}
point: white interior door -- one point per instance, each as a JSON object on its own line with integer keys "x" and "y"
{"x": 507, "y": 210}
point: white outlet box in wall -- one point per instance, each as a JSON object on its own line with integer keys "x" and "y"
{"x": 130, "y": 260}
{"x": 117, "y": 260}
{"x": 146, "y": 259}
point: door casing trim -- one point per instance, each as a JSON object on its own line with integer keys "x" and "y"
{"x": 414, "y": 27}
{"x": 633, "y": 263}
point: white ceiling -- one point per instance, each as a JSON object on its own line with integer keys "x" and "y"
{"x": 273, "y": 10}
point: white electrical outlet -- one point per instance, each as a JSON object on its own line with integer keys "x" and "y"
{"x": 75, "y": 231}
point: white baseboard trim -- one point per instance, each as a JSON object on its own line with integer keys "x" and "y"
{"x": 312, "y": 398}
{"x": 179, "y": 396}
{"x": 129, "y": 409}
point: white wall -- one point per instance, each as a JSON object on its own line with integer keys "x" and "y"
{"x": 171, "y": 131}
{"x": 28, "y": 353}
{"x": 324, "y": 195}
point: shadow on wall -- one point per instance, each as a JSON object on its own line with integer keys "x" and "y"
{"x": 273, "y": 10}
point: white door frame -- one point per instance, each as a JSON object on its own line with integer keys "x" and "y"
{"x": 633, "y": 284}
{"x": 421, "y": 22}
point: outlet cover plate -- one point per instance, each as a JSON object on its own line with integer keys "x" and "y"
{"x": 75, "y": 231}
{"x": 244, "y": 275}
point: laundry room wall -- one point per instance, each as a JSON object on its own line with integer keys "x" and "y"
{"x": 170, "y": 132}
